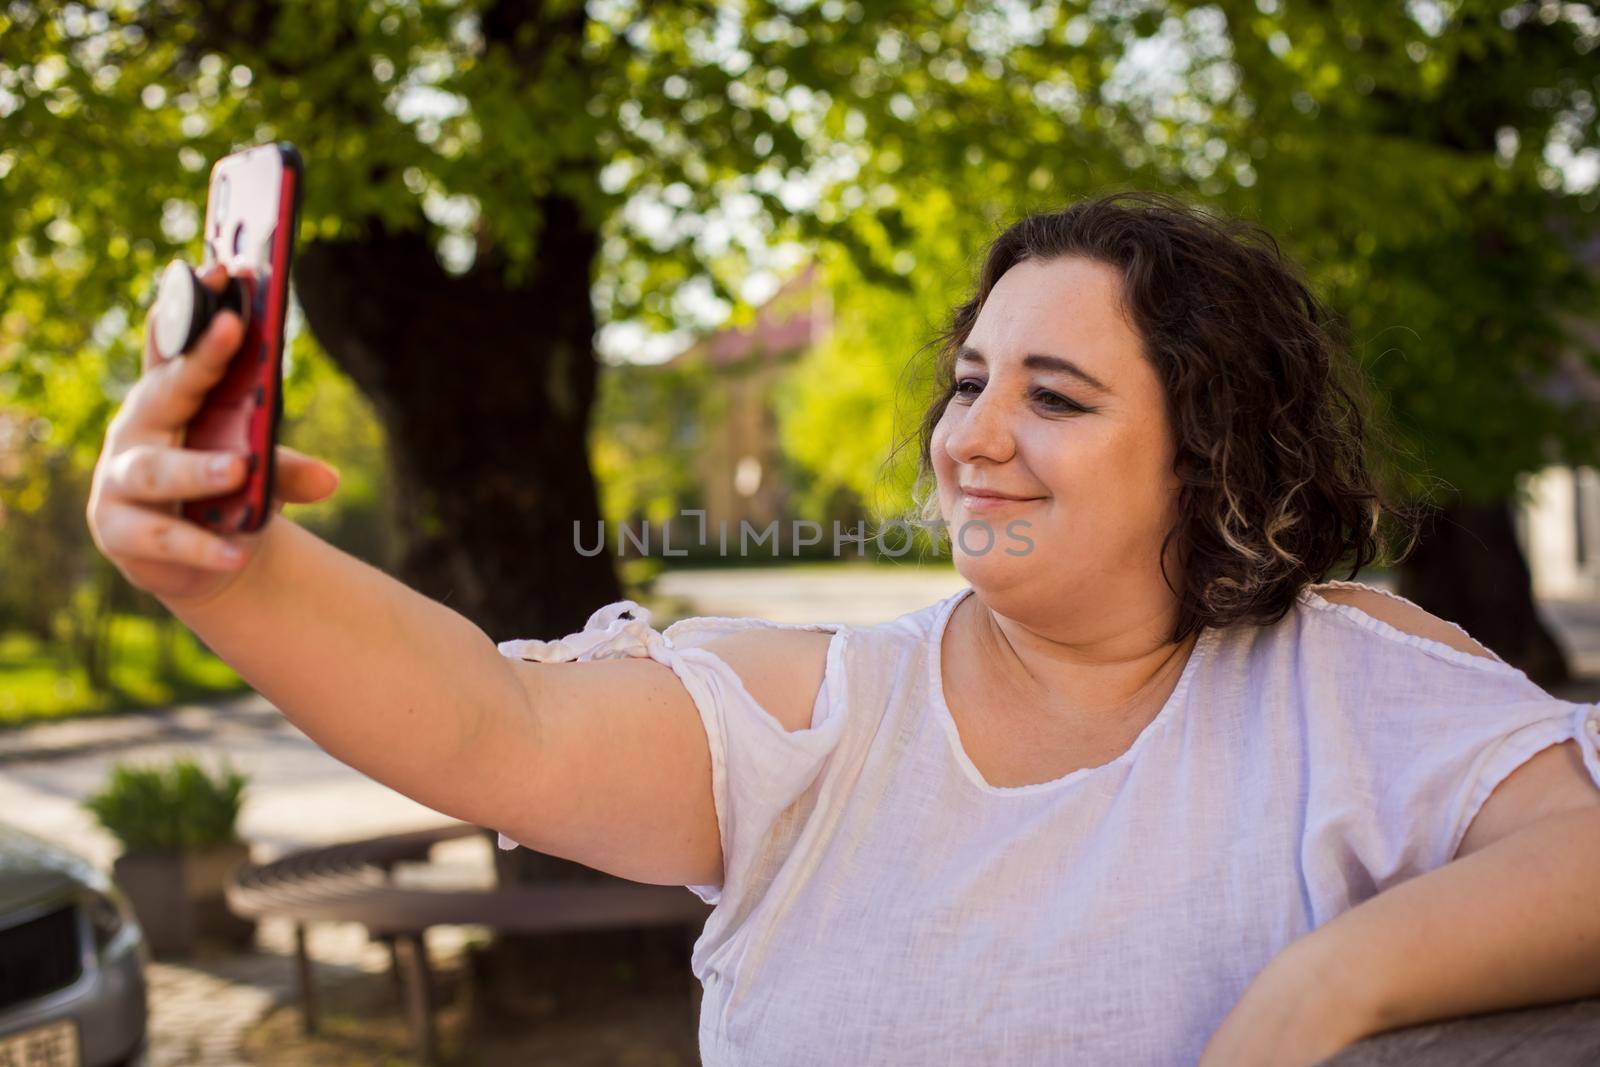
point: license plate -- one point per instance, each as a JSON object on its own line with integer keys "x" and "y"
{"x": 52, "y": 1045}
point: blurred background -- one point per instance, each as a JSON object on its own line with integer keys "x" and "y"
{"x": 606, "y": 262}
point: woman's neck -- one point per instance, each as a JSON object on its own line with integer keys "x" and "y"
{"x": 1115, "y": 670}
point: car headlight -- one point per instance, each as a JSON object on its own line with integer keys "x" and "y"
{"x": 109, "y": 915}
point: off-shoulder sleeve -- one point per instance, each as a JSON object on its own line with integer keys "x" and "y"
{"x": 1408, "y": 738}
{"x": 758, "y": 768}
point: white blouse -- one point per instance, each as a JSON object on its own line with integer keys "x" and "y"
{"x": 883, "y": 904}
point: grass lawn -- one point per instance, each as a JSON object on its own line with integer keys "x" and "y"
{"x": 35, "y": 686}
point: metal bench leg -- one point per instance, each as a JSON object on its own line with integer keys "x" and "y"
{"x": 307, "y": 980}
{"x": 396, "y": 974}
{"x": 412, "y": 952}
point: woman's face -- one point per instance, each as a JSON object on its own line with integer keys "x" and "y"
{"x": 1055, "y": 402}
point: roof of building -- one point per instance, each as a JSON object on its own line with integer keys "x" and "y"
{"x": 793, "y": 320}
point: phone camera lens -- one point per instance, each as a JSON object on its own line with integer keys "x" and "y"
{"x": 222, "y": 198}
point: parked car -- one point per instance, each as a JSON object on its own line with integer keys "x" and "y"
{"x": 72, "y": 961}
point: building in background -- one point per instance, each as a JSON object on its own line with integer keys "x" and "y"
{"x": 1559, "y": 524}
{"x": 740, "y": 463}
{"x": 700, "y": 430}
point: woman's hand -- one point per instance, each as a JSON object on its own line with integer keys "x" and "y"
{"x": 1302, "y": 1008}
{"x": 143, "y": 474}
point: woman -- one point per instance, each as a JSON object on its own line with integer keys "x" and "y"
{"x": 1143, "y": 793}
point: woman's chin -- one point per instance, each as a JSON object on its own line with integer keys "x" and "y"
{"x": 994, "y": 570}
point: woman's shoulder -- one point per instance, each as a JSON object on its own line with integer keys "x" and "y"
{"x": 1391, "y": 616}
{"x": 784, "y": 666}
{"x": 782, "y": 669}
{"x": 1387, "y": 641}
{"x": 781, "y": 665}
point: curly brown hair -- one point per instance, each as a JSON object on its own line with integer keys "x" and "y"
{"x": 1268, "y": 411}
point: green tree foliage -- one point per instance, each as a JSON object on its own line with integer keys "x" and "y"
{"x": 1407, "y": 158}
{"x": 704, "y": 115}
{"x": 1412, "y": 164}
{"x": 688, "y": 137}
{"x": 1408, "y": 163}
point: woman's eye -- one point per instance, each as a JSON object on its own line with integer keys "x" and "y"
{"x": 1056, "y": 402}
{"x": 967, "y": 388}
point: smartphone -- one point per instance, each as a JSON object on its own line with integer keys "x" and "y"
{"x": 252, "y": 218}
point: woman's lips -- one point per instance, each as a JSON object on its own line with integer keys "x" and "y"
{"x": 973, "y": 502}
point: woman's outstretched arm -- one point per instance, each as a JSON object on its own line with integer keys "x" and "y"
{"x": 604, "y": 762}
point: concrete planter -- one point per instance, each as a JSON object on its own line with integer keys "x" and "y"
{"x": 178, "y": 897}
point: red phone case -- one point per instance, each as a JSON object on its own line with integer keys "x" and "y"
{"x": 249, "y": 191}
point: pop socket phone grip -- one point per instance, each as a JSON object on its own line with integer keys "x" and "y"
{"x": 185, "y": 307}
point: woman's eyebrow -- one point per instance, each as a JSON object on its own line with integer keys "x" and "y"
{"x": 1039, "y": 361}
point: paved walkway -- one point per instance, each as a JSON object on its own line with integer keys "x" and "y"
{"x": 857, "y": 594}
{"x": 299, "y": 795}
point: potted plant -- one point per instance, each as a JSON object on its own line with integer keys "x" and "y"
{"x": 177, "y": 826}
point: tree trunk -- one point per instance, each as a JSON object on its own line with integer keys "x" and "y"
{"x": 89, "y": 624}
{"x": 1467, "y": 567}
{"x": 484, "y": 391}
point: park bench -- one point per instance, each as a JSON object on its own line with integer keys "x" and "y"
{"x": 353, "y": 882}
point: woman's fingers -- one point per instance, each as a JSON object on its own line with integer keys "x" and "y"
{"x": 303, "y": 479}
{"x": 135, "y": 533}
{"x": 170, "y": 391}
{"x": 143, "y": 471}
{"x": 158, "y": 473}
{"x": 135, "y": 523}
{"x": 165, "y": 399}
{"x": 150, "y": 473}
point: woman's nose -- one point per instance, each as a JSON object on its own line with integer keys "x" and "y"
{"x": 982, "y": 431}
